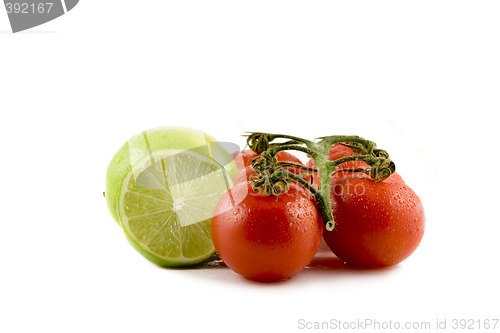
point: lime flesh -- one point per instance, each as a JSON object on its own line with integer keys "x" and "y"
{"x": 166, "y": 209}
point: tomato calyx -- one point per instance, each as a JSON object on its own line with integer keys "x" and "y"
{"x": 381, "y": 167}
{"x": 271, "y": 179}
{"x": 260, "y": 142}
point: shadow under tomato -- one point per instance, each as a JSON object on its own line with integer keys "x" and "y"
{"x": 323, "y": 260}
{"x": 324, "y": 265}
{"x": 326, "y": 260}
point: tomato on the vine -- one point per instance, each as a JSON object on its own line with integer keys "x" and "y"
{"x": 376, "y": 223}
{"x": 372, "y": 218}
{"x": 263, "y": 237}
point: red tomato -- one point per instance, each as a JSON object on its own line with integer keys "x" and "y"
{"x": 242, "y": 175}
{"x": 377, "y": 223}
{"x": 244, "y": 164}
{"x": 264, "y": 238}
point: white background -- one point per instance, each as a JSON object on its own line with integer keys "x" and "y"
{"x": 420, "y": 78}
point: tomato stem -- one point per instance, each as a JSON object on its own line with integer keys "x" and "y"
{"x": 272, "y": 179}
{"x": 260, "y": 142}
{"x": 296, "y": 166}
{"x": 322, "y": 201}
{"x": 307, "y": 150}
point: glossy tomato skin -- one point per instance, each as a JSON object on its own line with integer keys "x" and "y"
{"x": 377, "y": 223}
{"x": 265, "y": 239}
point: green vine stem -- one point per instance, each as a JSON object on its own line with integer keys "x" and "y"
{"x": 260, "y": 142}
{"x": 322, "y": 201}
{"x": 271, "y": 179}
{"x": 296, "y": 166}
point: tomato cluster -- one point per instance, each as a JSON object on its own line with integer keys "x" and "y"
{"x": 270, "y": 238}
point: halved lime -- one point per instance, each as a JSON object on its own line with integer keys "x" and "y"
{"x": 166, "y": 198}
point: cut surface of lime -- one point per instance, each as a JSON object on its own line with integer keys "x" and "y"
{"x": 166, "y": 202}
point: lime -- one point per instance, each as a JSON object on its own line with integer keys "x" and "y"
{"x": 162, "y": 187}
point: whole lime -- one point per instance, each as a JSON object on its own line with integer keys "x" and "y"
{"x": 162, "y": 187}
